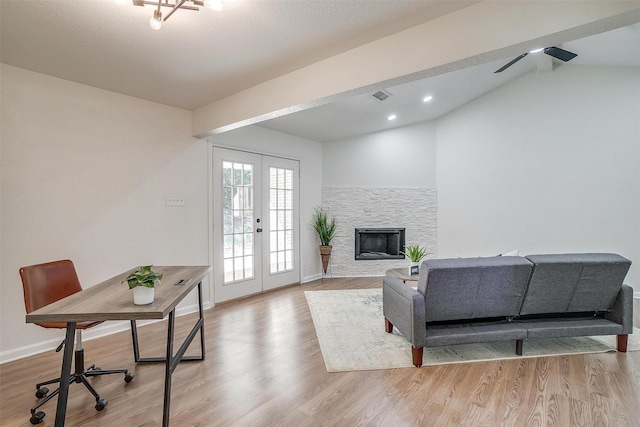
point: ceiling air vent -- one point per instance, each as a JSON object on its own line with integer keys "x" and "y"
{"x": 381, "y": 95}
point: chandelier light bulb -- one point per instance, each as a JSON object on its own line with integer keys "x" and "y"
{"x": 213, "y": 4}
{"x": 156, "y": 20}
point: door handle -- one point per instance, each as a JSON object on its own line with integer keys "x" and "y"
{"x": 258, "y": 230}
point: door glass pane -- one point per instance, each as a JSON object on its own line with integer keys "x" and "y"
{"x": 248, "y": 221}
{"x": 281, "y": 211}
{"x": 228, "y": 222}
{"x": 228, "y": 246}
{"x": 228, "y": 270}
{"x": 248, "y": 244}
{"x": 227, "y": 178}
{"x": 237, "y": 193}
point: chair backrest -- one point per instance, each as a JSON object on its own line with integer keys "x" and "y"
{"x": 46, "y": 283}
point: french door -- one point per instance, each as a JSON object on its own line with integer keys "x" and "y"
{"x": 256, "y": 230}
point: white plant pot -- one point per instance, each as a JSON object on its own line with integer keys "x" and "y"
{"x": 142, "y": 295}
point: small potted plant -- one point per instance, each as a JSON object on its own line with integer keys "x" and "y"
{"x": 415, "y": 253}
{"x": 143, "y": 281}
{"x": 326, "y": 229}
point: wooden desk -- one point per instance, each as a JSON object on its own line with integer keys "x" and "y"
{"x": 112, "y": 300}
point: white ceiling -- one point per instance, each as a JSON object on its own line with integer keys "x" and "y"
{"x": 201, "y": 57}
{"x": 364, "y": 114}
{"x": 197, "y": 57}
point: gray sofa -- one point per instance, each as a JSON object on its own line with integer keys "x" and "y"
{"x": 470, "y": 300}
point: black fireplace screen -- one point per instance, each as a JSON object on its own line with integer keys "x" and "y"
{"x": 379, "y": 243}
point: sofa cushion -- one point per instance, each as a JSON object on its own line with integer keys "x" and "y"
{"x": 569, "y": 327}
{"x": 472, "y": 288}
{"x": 574, "y": 283}
{"x": 473, "y": 332}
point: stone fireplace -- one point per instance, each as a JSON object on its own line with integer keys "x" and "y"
{"x": 414, "y": 209}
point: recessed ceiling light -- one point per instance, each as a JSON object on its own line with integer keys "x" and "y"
{"x": 391, "y": 117}
{"x": 427, "y": 98}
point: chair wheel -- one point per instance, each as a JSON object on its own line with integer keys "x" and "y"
{"x": 128, "y": 377}
{"x": 101, "y": 404}
{"x": 37, "y": 417}
{"x": 42, "y": 392}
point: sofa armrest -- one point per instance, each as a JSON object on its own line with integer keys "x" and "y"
{"x": 404, "y": 306}
{"x": 622, "y": 310}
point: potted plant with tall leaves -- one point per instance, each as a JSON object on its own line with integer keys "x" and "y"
{"x": 325, "y": 227}
{"x": 143, "y": 281}
{"x": 415, "y": 253}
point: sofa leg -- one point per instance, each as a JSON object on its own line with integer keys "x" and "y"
{"x": 388, "y": 326}
{"x": 417, "y": 356}
{"x": 622, "y": 343}
{"x": 519, "y": 347}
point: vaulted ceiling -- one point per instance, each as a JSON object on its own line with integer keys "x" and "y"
{"x": 364, "y": 114}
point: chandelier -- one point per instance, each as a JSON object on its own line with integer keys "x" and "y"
{"x": 157, "y": 18}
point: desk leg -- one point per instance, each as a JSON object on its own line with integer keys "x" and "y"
{"x": 201, "y": 311}
{"x": 134, "y": 341}
{"x": 65, "y": 375}
{"x": 199, "y": 327}
{"x": 170, "y": 360}
{"x": 168, "y": 370}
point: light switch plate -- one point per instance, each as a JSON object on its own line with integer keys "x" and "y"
{"x": 175, "y": 201}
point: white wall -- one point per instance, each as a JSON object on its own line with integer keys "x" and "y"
{"x": 402, "y": 157}
{"x": 85, "y": 173}
{"x": 261, "y": 140}
{"x": 383, "y": 179}
{"x": 548, "y": 163}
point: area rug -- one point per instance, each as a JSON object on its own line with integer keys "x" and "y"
{"x": 350, "y": 329}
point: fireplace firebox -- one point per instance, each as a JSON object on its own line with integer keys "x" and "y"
{"x": 379, "y": 243}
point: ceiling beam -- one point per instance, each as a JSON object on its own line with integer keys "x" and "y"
{"x": 480, "y": 33}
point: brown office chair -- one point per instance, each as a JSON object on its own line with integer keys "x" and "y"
{"x": 44, "y": 284}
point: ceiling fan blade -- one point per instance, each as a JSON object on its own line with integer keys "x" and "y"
{"x": 501, "y": 69}
{"x": 561, "y": 54}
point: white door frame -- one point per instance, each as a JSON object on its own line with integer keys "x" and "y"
{"x": 298, "y": 253}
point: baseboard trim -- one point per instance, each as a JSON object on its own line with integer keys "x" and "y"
{"x": 107, "y": 328}
{"x": 311, "y": 278}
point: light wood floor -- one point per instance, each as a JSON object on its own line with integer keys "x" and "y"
{"x": 264, "y": 368}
